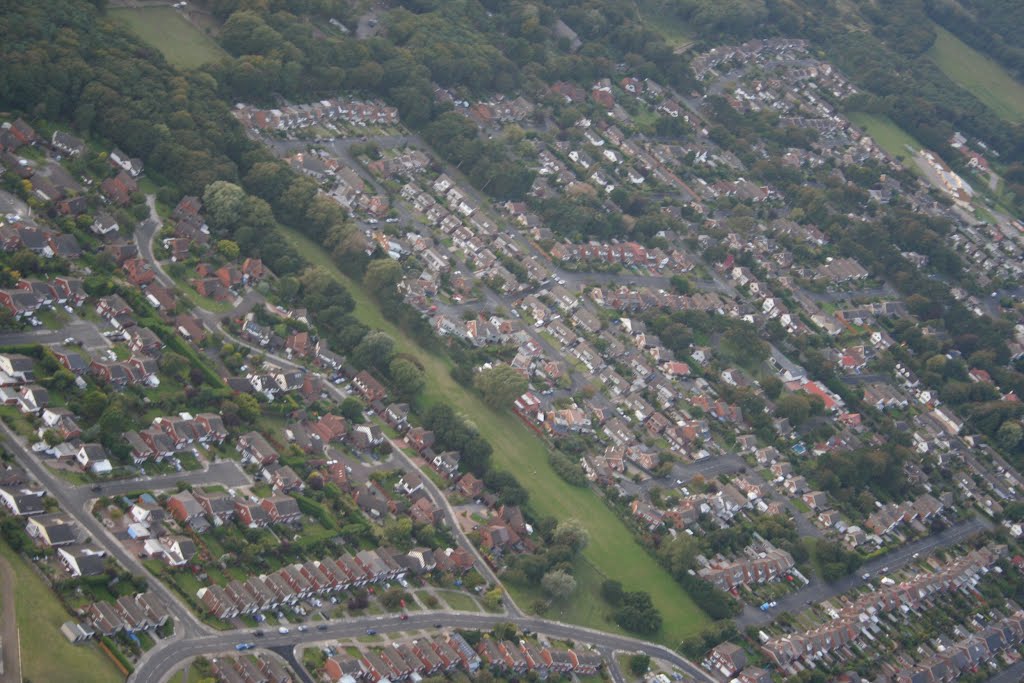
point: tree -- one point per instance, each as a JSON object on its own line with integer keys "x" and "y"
{"x": 374, "y": 351}
{"x": 398, "y": 533}
{"x": 406, "y": 379}
{"x": 175, "y": 365}
{"x": 382, "y": 275}
{"x": 352, "y": 409}
{"x": 794, "y": 407}
{"x": 492, "y": 599}
{"x": 571, "y": 533}
{"x": 1009, "y": 435}
{"x": 558, "y": 584}
{"x": 680, "y": 554}
{"x": 500, "y": 385}
{"x": 639, "y": 664}
{"x": 611, "y": 591}
{"x": 228, "y": 249}
{"x": 222, "y": 204}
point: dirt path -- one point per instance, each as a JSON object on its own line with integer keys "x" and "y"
{"x": 8, "y": 624}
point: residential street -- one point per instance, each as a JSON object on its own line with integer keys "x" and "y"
{"x": 157, "y": 664}
{"x": 818, "y": 591}
{"x": 74, "y": 502}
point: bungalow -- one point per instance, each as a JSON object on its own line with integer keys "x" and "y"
{"x": 52, "y": 530}
{"x": 82, "y": 560}
{"x": 17, "y": 366}
{"x": 21, "y": 501}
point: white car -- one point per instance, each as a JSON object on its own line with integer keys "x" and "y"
{"x": 283, "y": 630}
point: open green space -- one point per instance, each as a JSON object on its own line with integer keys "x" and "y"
{"x": 979, "y": 75}
{"x": 612, "y": 551}
{"x": 45, "y": 654}
{"x": 890, "y": 137}
{"x": 181, "y": 43}
{"x": 674, "y": 30}
{"x": 459, "y": 601}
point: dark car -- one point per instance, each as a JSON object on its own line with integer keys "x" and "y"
{"x": 321, "y": 627}
{"x": 258, "y": 634}
{"x": 371, "y": 632}
{"x": 438, "y": 625}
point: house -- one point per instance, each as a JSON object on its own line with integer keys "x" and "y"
{"x": 82, "y": 560}
{"x": 71, "y": 360}
{"x": 17, "y": 366}
{"x": 282, "y": 509}
{"x": 32, "y": 398}
{"x": 397, "y": 416}
{"x": 104, "y": 224}
{"x": 22, "y": 501}
{"x": 251, "y": 514}
{"x": 52, "y": 530}
{"x": 420, "y": 439}
{"x": 728, "y": 659}
{"x": 93, "y": 456}
{"x": 67, "y": 143}
{"x": 184, "y": 507}
{"x": 368, "y": 387}
{"x": 255, "y": 448}
{"x": 469, "y": 486}
{"x": 219, "y": 507}
{"x": 104, "y": 619}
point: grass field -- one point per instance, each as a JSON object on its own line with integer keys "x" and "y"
{"x": 165, "y": 29}
{"x": 459, "y": 601}
{"x": 888, "y": 135}
{"x": 981, "y": 76}
{"x": 674, "y": 30}
{"x": 612, "y": 551}
{"x": 45, "y": 654}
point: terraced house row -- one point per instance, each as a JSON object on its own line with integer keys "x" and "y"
{"x": 297, "y": 582}
{"x": 856, "y": 619}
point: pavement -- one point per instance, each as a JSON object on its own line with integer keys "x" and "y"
{"x": 167, "y": 657}
{"x": 818, "y": 591}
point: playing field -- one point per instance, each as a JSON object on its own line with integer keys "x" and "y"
{"x": 45, "y": 654}
{"x": 612, "y": 550}
{"x": 981, "y": 76}
{"x": 165, "y": 29}
{"x": 888, "y": 135}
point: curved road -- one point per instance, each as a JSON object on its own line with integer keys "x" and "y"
{"x": 166, "y": 658}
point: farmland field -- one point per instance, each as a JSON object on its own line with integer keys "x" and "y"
{"x": 981, "y": 76}
{"x": 181, "y": 43}
{"x": 612, "y": 551}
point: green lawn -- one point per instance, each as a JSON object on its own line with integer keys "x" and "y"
{"x": 612, "y": 550}
{"x": 459, "y": 601}
{"x": 888, "y": 135}
{"x": 981, "y": 76}
{"x": 45, "y": 654}
{"x": 165, "y": 29}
